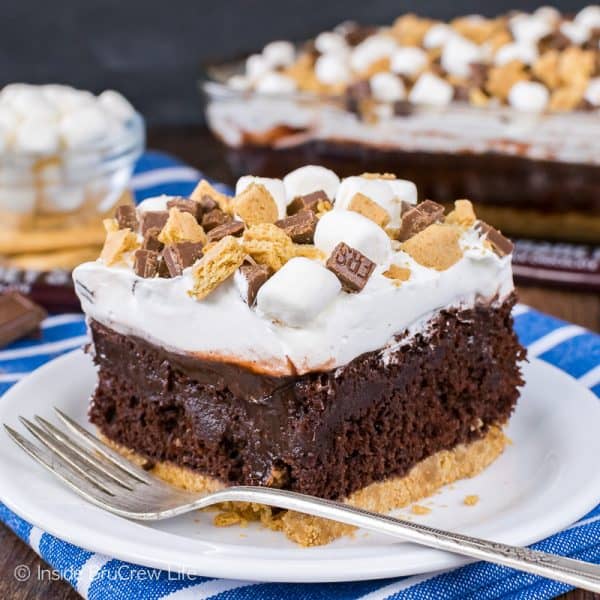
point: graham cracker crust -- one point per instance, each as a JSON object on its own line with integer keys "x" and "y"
{"x": 423, "y": 480}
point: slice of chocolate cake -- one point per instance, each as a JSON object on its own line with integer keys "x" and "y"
{"x": 360, "y": 350}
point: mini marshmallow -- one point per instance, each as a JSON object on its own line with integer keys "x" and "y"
{"x": 154, "y": 203}
{"x": 371, "y": 50}
{"x": 431, "y": 89}
{"x": 256, "y": 66}
{"x": 332, "y": 69}
{"x": 330, "y": 42}
{"x": 548, "y": 13}
{"x": 387, "y": 87}
{"x": 279, "y": 53}
{"x": 576, "y": 32}
{"x": 273, "y": 186}
{"x": 529, "y": 96}
{"x": 592, "y": 92}
{"x": 66, "y": 98}
{"x": 388, "y": 193}
{"x": 355, "y": 230}
{"x": 275, "y": 83}
{"x": 408, "y": 60}
{"x": 458, "y": 54}
{"x": 239, "y": 83}
{"x": 116, "y": 104}
{"x": 38, "y": 136}
{"x": 589, "y": 16}
{"x": 524, "y": 52}
{"x": 8, "y": 118}
{"x": 308, "y": 179}
{"x": 529, "y": 28}
{"x": 83, "y": 127}
{"x": 298, "y": 292}
{"x": 438, "y": 35}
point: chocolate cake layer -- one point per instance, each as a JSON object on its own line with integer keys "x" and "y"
{"x": 553, "y": 194}
{"x": 327, "y": 434}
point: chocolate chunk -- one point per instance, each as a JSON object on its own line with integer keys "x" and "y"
{"x": 300, "y": 227}
{"x": 418, "y": 218}
{"x": 178, "y": 257}
{"x": 19, "y": 316}
{"x": 350, "y": 266}
{"x": 146, "y": 263}
{"x": 153, "y": 219}
{"x": 501, "y": 245}
{"x": 187, "y": 205}
{"x": 356, "y": 94}
{"x": 214, "y": 218}
{"x": 255, "y": 275}
{"x": 207, "y": 203}
{"x": 355, "y": 33}
{"x": 403, "y": 108}
{"x": 478, "y": 74}
{"x": 308, "y": 201}
{"x": 151, "y": 241}
{"x": 234, "y": 228}
{"x": 554, "y": 41}
{"x": 126, "y": 217}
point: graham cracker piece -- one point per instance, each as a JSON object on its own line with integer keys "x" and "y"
{"x": 269, "y": 245}
{"x": 435, "y": 247}
{"x": 205, "y": 189}
{"x": 309, "y": 251}
{"x": 463, "y": 214}
{"x": 323, "y": 207}
{"x": 367, "y": 208}
{"x": 369, "y": 175}
{"x": 110, "y": 225}
{"x": 576, "y": 66}
{"x": 471, "y": 500}
{"x": 567, "y": 98}
{"x": 255, "y": 205}
{"x": 217, "y": 264}
{"x": 410, "y": 29}
{"x": 397, "y": 274}
{"x": 501, "y": 79}
{"x": 117, "y": 243}
{"x": 181, "y": 227}
{"x": 545, "y": 68}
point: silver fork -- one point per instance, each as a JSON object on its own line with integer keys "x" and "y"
{"x": 103, "y": 477}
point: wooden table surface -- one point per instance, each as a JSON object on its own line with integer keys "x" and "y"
{"x": 196, "y": 147}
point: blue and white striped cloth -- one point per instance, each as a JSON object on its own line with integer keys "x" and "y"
{"x": 569, "y": 347}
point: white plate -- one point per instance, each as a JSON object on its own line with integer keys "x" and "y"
{"x": 546, "y": 480}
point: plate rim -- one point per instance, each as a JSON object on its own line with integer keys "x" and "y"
{"x": 298, "y": 570}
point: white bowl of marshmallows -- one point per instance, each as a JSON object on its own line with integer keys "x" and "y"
{"x": 65, "y": 154}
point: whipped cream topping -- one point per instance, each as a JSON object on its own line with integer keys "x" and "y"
{"x": 302, "y": 320}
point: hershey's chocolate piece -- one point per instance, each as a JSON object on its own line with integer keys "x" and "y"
{"x": 234, "y": 228}
{"x": 187, "y": 205}
{"x": 350, "y": 266}
{"x": 478, "y": 74}
{"x": 19, "y": 316}
{"x": 356, "y": 33}
{"x": 300, "y": 226}
{"x": 214, "y": 218}
{"x": 309, "y": 202}
{"x": 501, "y": 245}
{"x": 418, "y": 218}
{"x": 207, "y": 203}
{"x": 126, "y": 217}
{"x": 177, "y": 257}
{"x": 554, "y": 41}
{"x": 255, "y": 275}
{"x": 153, "y": 219}
{"x": 145, "y": 263}
{"x": 151, "y": 241}
{"x": 403, "y": 108}
{"x": 356, "y": 94}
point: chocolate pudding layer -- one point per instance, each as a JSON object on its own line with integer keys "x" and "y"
{"x": 324, "y": 433}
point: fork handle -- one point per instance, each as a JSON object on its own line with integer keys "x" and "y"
{"x": 566, "y": 570}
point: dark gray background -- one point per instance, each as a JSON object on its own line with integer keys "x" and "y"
{"x": 151, "y": 50}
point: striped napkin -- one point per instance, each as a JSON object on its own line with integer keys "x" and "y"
{"x": 569, "y": 347}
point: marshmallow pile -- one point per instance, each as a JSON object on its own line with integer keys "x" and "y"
{"x": 46, "y": 119}
{"x": 428, "y": 66}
